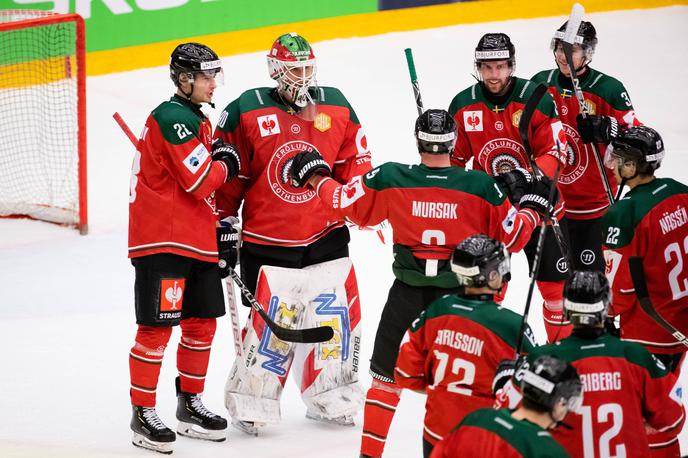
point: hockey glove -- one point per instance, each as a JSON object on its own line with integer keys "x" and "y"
{"x": 229, "y": 154}
{"x": 305, "y": 165}
{"x": 597, "y": 129}
{"x": 538, "y": 195}
{"x": 227, "y": 245}
{"x": 515, "y": 183}
{"x": 505, "y": 370}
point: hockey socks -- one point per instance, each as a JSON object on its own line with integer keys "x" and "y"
{"x": 556, "y": 326}
{"x": 193, "y": 352}
{"x": 380, "y": 404}
{"x": 145, "y": 360}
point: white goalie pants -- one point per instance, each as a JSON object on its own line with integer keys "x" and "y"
{"x": 324, "y": 294}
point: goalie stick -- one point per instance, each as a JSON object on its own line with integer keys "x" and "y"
{"x": 523, "y": 130}
{"x": 307, "y": 335}
{"x": 635, "y": 265}
{"x": 567, "y": 42}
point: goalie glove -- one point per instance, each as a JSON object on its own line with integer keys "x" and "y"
{"x": 597, "y": 129}
{"x": 305, "y": 165}
{"x": 227, "y": 245}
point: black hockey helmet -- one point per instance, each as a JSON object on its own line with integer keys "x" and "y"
{"x": 477, "y": 257}
{"x": 495, "y": 46}
{"x": 191, "y": 58}
{"x": 641, "y": 145}
{"x": 549, "y": 380}
{"x": 586, "y": 298}
{"x": 435, "y": 132}
{"x": 586, "y": 37}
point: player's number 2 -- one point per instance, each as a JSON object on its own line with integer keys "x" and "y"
{"x": 606, "y": 413}
{"x": 460, "y": 367}
{"x": 679, "y": 286}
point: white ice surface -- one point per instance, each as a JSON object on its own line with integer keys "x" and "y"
{"x": 66, "y": 301}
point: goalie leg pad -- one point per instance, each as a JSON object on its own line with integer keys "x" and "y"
{"x": 327, "y": 372}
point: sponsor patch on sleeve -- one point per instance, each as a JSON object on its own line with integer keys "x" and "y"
{"x": 352, "y": 191}
{"x": 196, "y": 158}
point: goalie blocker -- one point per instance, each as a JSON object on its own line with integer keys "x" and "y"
{"x": 326, "y": 372}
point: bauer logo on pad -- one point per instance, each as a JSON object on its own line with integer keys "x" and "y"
{"x": 171, "y": 294}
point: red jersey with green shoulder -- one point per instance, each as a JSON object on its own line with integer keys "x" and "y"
{"x": 488, "y": 133}
{"x": 624, "y": 388}
{"x": 171, "y": 202}
{"x": 580, "y": 181}
{"x": 651, "y": 221}
{"x": 489, "y": 433}
{"x": 269, "y": 134}
{"x": 451, "y": 352}
{"x": 431, "y": 210}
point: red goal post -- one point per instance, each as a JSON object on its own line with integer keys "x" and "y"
{"x": 43, "y": 117}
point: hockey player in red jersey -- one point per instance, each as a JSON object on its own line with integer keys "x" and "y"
{"x": 488, "y": 115}
{"x": 270, "y": 125}
{"x": 651, "y": 221}
{"x": 551, "y": 389}
{"x": 431, "y": 208}
{"x": 610, "y": 110}
{"x": 172, "y": 245}
{"x": 451, "y": 351}
{"x": 626, "y": 388}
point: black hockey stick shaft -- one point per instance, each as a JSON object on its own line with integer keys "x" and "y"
{"x": 537, "y": 258}
{"x": 524, "y": 133}
{"x": 635, "y": 265}
{"x": 414, "y": 80}
{"x": 305, "y": 335}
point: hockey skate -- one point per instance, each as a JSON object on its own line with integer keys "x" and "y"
{"x": 249, "y": 427}
{"x": 150, "y": 432}
{"x": 343, "y": 420}
{"x": 196, "y": 421}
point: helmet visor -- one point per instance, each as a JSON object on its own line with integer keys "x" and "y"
{"x": 611, "y": 159}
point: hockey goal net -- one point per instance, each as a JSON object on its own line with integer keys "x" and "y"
{"x": 43, "y": 117}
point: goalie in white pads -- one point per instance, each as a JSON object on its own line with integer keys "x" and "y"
{"x": 326, "y": 372}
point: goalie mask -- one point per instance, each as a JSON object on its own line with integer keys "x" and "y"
{"x": 189, "y": 59}
{"x": 291, "y": 63}
{"x": 550, "y": 382}
{"x": 478, "y": 260}
{"x": 586, "y": 298}
{"x": 435, "y": 132}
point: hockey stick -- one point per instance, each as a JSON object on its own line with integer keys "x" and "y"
{"x": 567, "y": 42}
{"x": 234, "y": 318}
{"x": 536, "y": 266}
{"x": 308, "y": 335}
{"x": 414, "y": 80}
{"x": 523, "y": 130}
{"x": 635, "y": 265}
{"x": 304, "y": 335}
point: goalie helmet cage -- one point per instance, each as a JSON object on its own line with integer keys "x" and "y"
{"x": 43, "y": 117}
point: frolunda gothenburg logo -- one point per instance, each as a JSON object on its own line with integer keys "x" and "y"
{"x": 279, "y": 173}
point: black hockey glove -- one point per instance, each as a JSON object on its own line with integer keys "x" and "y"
{"x": 505, "y": 370}
{"x": 305, "y": 165}
{"x": 515, "y": 183}
{"x": 610, "y": 327}
{"x": 538, "y": 195}
{"x": 227, "y": 245}
{"x": 597, "y": 129}
{"x": 229, "y": 154}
